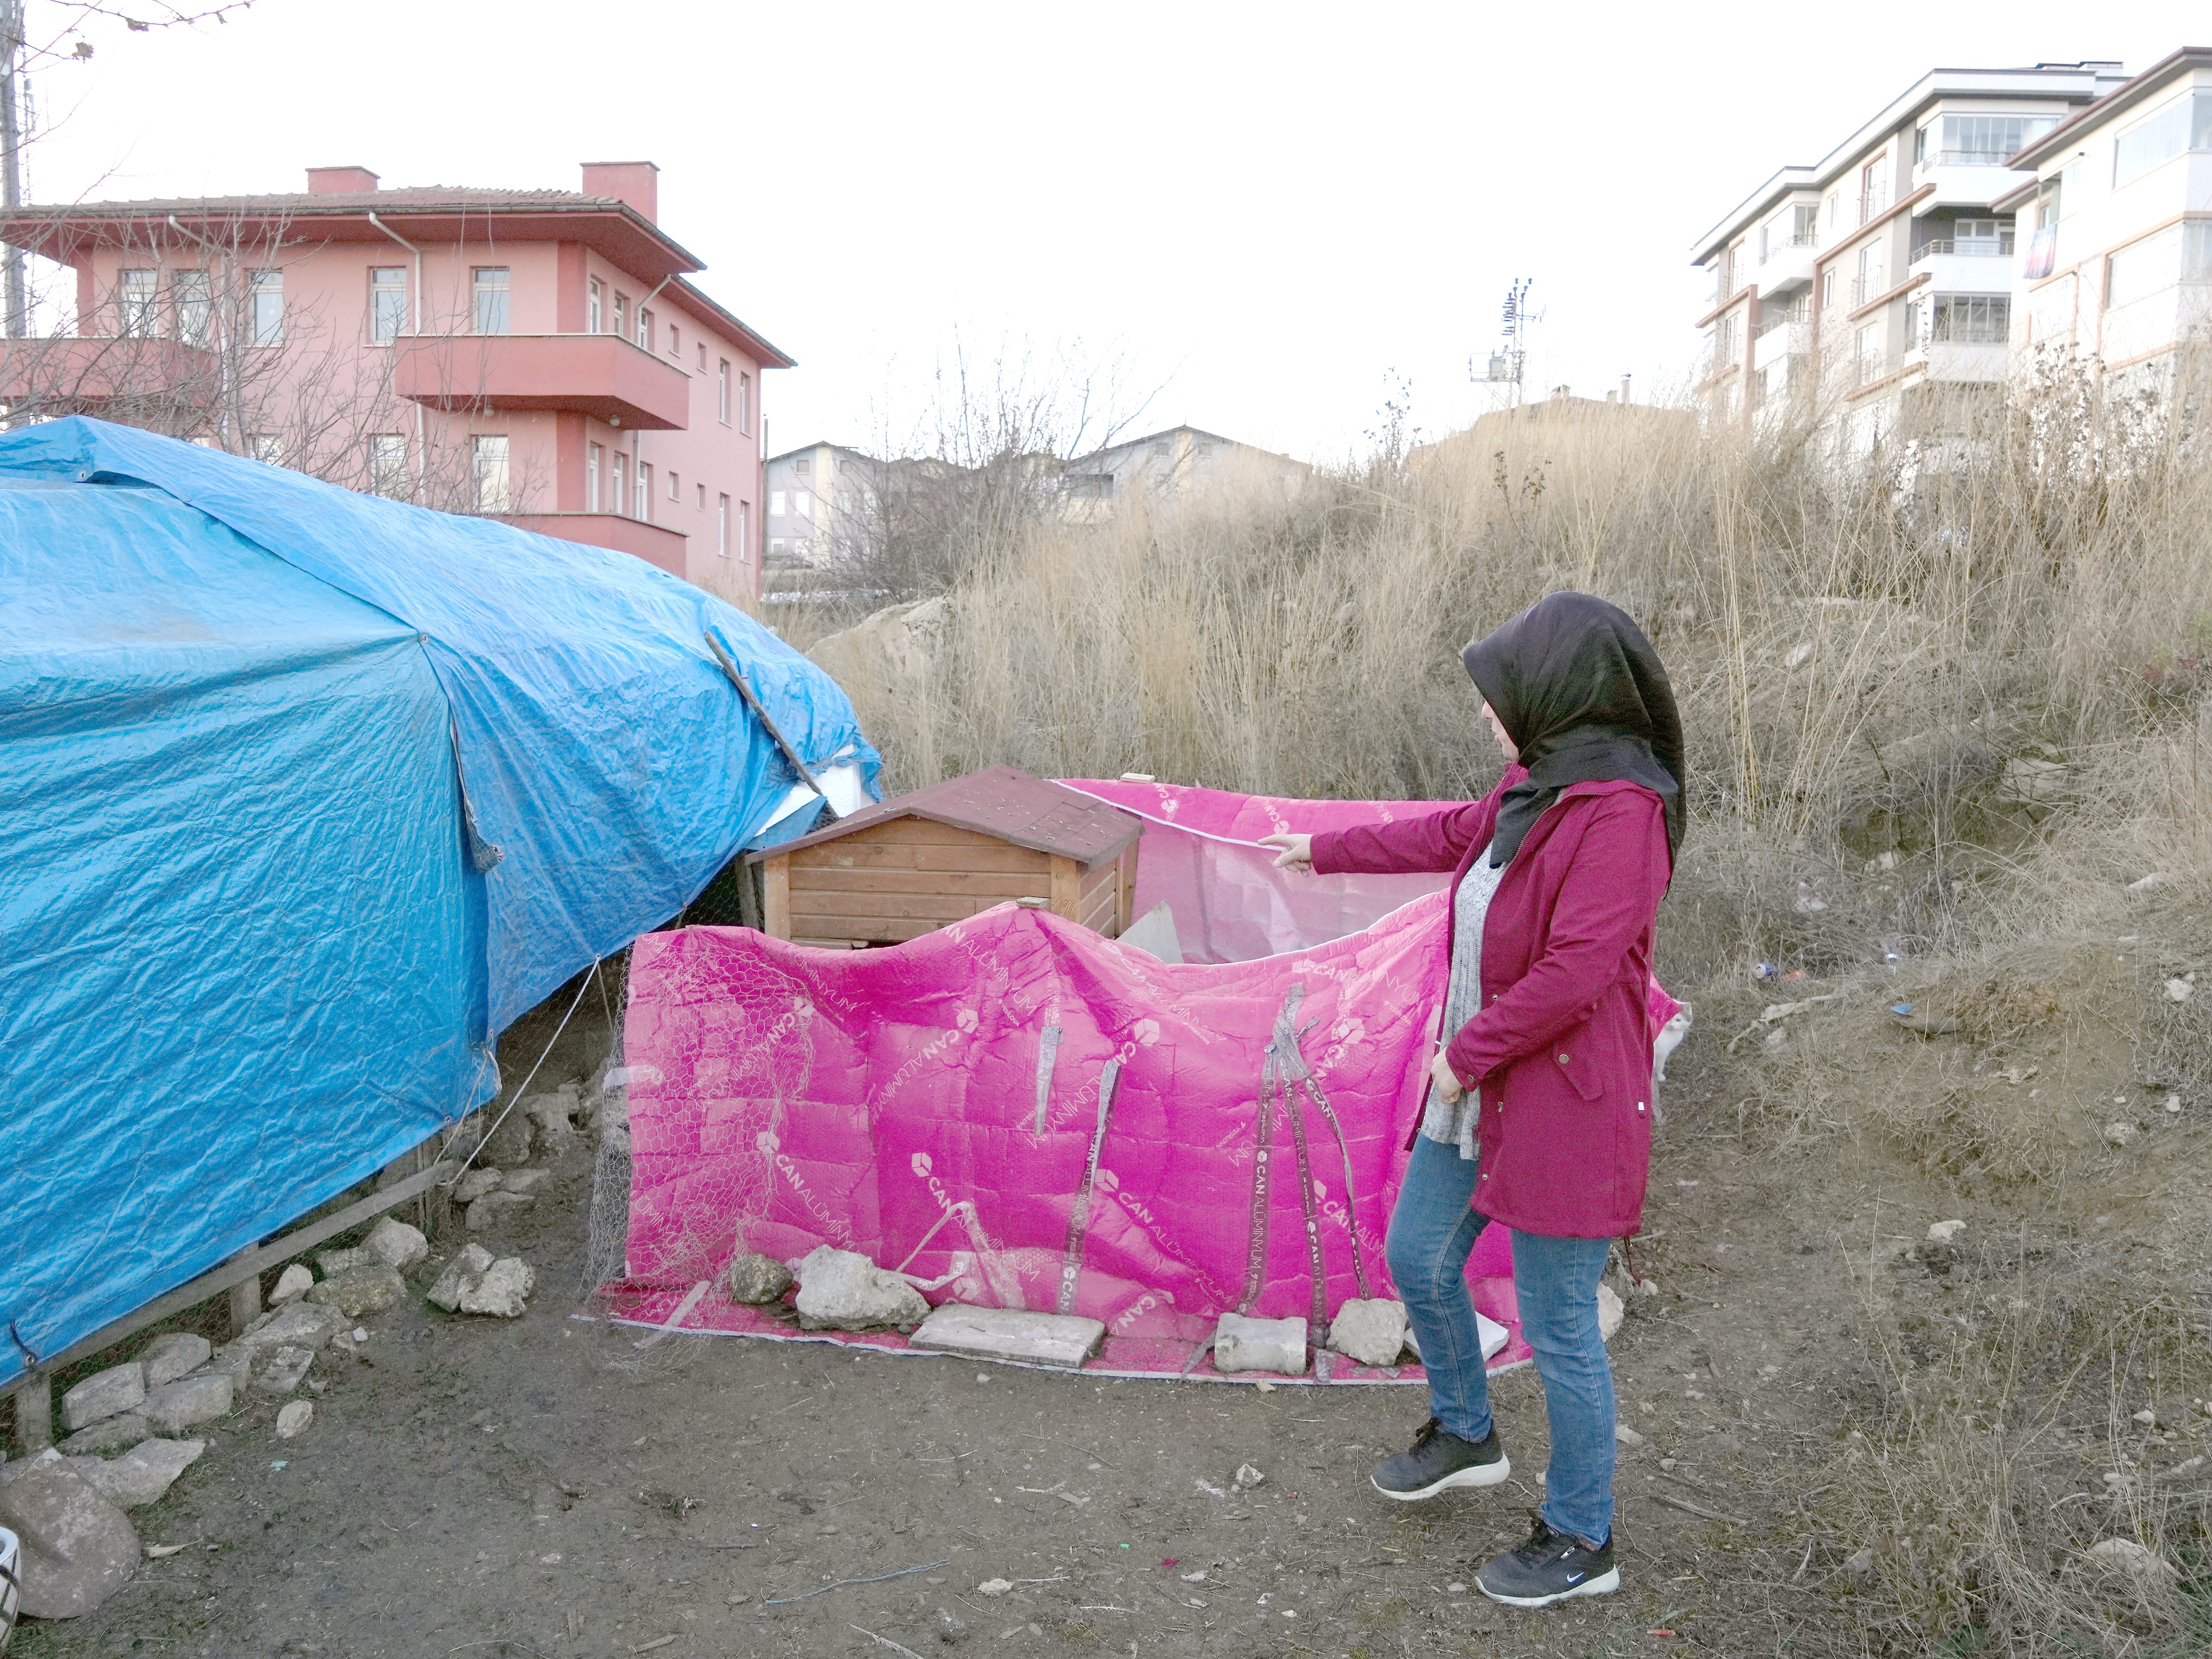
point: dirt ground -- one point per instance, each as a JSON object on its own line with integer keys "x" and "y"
{"x": 545, "y": 1487}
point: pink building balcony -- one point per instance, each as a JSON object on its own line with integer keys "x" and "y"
{"x": 653, "y": 542}
{"x": 602, "y": 376}
{"x": 133, "y": 377}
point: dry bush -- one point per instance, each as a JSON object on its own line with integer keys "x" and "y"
{"x": 1975, "y": 1487}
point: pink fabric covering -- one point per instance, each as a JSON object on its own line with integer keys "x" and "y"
{"x": 887, "y": 1102}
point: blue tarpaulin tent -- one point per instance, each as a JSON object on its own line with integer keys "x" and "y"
{"x": 305, "y": 796}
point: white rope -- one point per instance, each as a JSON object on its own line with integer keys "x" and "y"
{"x": 1169, "y": 824}
{"x": 532, "y": 1073}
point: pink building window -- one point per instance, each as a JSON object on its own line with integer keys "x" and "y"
{"x": 722, "y": 526}
{"x": 490, "y": 286}
{"x": 745, "y": 405}
{"x": 744, "y": 530}
{"x": 621, "y": 500}
{"x": 722, "y": 392}
{"x": 594, "y": 460}
{"x": 591, "y": 307}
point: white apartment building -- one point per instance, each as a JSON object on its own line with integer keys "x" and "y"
{"x": 1846, "y": 288}
{"x": 2117, "y": 268}
{"x": 820, "y": 499}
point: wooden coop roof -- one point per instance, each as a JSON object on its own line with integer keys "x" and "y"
{"x": 1003, "y": 801}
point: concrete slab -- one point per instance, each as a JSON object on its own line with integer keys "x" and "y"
{"x": 1037, "y": 1339}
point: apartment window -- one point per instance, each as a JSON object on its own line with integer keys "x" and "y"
{"x": 493, "y": 493}
{"x": 802, "y": 504}
{"x": 591, "y": 306}
{"x": 266, "y": 448}
{"x": 2043, "y": 247}
{"x": 675, "y": 340}
{"x": 619, "y": 498}
{"x": 676, "y": 486}
{"x": 1869, "y": 354}
{"x": 388, "y": 303}
{"x": 387, "y": 463}
{"x": 1872, "y": 275}
{"x": 644, "y": 493}
{"x": 2183, "y": 124}
{"x": 1990, "y": 141}
{"x": 595, "y": 460}
{"x": 2197, "y": 251}
{"x": 803, "y": 463}
{"x": 703, "y": 356}
{"x": 193, "y": 300}
{"x": 1874, "y": 193}
{"x": 702, "y": 498}
{"x": 1972, "y": 318}
{"x": 621, "y": 315}
{"x": 1828, "y": 287}
{"x": 746, "y": 530}
{"x": 1984, "y": 238}
{"x": 491, "y": 291}
{"x": 722, "y": 392}
{"x": 722, "y": 525}
{"x": 745, "y": 402}
{"x": 1919, "y": 146}
{"x": 135, "y": 301}
{"x": 775, "y": 504}
{"x": 2143, "y": 268}
{"x": 644, "y": 329}
{"x": 1728, "y": 340}
{"x": 1835, "y": 208}
{"x": 267, "y": 306}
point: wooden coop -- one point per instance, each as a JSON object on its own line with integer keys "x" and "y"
{"x": 907, "y": 867}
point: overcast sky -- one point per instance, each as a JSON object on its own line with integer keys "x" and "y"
{"x": 1267, "y": 210}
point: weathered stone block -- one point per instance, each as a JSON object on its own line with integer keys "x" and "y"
{"x": 104, "y": 1394}
{"x": 843, "y": 1291}
{"x": 502, "y": 1290}
{"x": 1036, "y": 1339}
{"x": 78, "y": 1548}
{"x": 469, "y": 1266}
{"x": 493, "y": 1208}
{"x": 109, "y": 1436}
{"x": 366, "y": 1288}
{"x": 143, "y": 1475}
{"x": 1260, "y": 1344}
{"x": 284, "y": 1370}
{"x": 1371, "y": 1330}
{"x": 170, "y": 1357}
{"x": 294, "y": 1282}
{"x": 200, "y": 1398}
{"x": 757, "y": 1279}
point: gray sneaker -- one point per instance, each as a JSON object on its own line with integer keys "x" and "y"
{"x": 1439, "y": 1461}
{"x": 1550, "y": 1567}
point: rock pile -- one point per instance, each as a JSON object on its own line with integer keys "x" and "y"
{"x": 500, "y": 1141}
{"x": 474, "y": 1283}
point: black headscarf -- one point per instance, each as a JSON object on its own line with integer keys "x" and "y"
{"x": 1585, "y": 698}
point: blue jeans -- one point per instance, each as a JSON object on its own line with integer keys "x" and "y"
{"x": 1432, "y": 1231}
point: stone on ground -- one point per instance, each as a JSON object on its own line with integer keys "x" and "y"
{"x": 294, "y": 1282}
{"x": 502, "y": 1290}
{"x": 170, "y": 1357}
{"x": 1942, "y": 1233}
{"x": 109, "y": 1436}
{"x": 1260, "y": 1344}
{"x": 292, "y": 1420}
{"x": 304, "y": 1325}
{"x": 1610, "y": 1311}
{"x": 1370, "y": 1329}
{"x": 333, "y": 1262}
{"x": 843, "y": 1291}
{"x": 476, "y": 1183}
{"x": 368, "y": 1287}
{"x": 2120, "y": 1132}
{"x": 2131, "y": 1557}
{"x": 495, "y": 1207}
{"x": 143, "y": 1475}
{"x": 200, "y": 1398}
{"x": 284, "y": 1370}
{"x": 78, "y": 1547}
{"x": 524, "y": 1180}
{"x": 509, "y": 1144}
{"x": 104, "y": 1394}
{"x": 400, "y": 1247}
{"x": 757, "y": 1279}
{"x": 550, "y": 1114}
{"x": 1037, "y": 1339}
{"x": 466, "y": 1267}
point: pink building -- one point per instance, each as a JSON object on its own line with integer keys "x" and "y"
{"x": 538, "y": 355}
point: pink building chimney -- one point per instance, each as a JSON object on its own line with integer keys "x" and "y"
{"x": 339, "y": 181}
{"x": 636, "y": 184}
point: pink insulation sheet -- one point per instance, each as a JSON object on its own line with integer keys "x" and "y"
{"x": 1018, "y": 1112}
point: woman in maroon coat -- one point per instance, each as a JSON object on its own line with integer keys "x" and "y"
{"x": 1539, "y": 1113}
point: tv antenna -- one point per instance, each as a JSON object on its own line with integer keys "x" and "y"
{"x": 1507, "y": 364}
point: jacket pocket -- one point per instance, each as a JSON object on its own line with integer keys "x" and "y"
{"x": 1575, "y": 1054}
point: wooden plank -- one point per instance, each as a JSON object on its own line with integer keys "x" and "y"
{"x": 1066, "y": 889}
{"x": 991, "y": 888}
{"x": 983, "y": 859}
{"x": 775, "y": 897}
{"x": 916, "y": 832}
{"x": 245, "y": 1304}
{"x": 1099, "y": 918}
{"x": 1039, "y": 1339}
{"x": 903, "y": 907}
{"x": 34, "y": 1413}
{"x": 1125, "y": 881}
{"x": 251, "y": 1265}
{"x": 847, "y": 931}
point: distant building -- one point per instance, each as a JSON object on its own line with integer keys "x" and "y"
{"x": 1563, "y": 411}
{"x": 821, "y": 502}
{"x": 538, "y": 355}
{"x": 1886, "y": 268}
{"x": 1166, "y": 468}
{"x": 2118, "y": 265}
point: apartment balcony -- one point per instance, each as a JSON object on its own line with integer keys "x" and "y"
{"x": 1792, "y": 339}
{"x": 1963, "y": 362}
{"x": 1976, "y": 272}
{"x": 655, "y": 543}
{"x": 602, "y": 376}
{"x": 135, "y": 376}
{"x": 1971, "y": 179}
{"x": 1787, "y": 265}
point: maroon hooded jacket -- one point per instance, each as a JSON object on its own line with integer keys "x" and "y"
{"x": 1562, "y": 1047}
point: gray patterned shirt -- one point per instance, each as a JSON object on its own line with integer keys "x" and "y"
{"x": 1453, "y": 1123}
